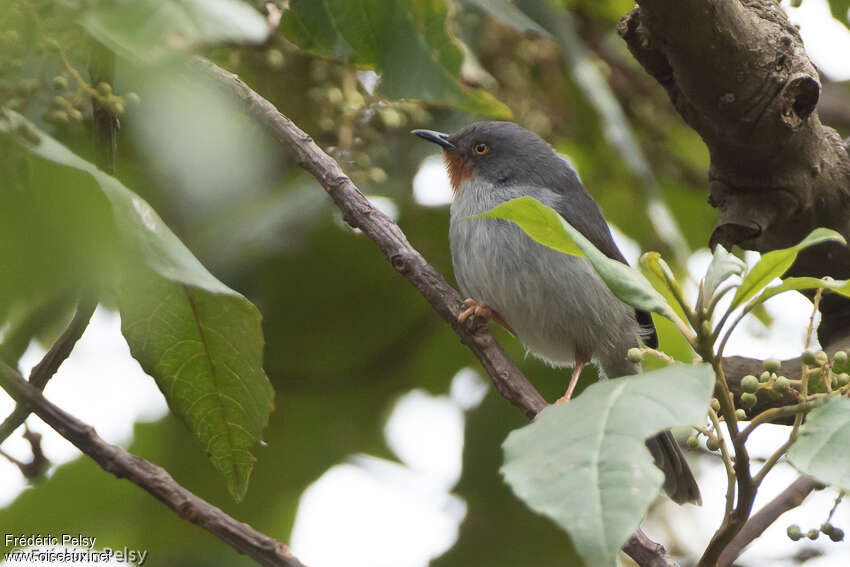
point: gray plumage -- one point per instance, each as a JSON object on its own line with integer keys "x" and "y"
{"x": 556, "y": 303}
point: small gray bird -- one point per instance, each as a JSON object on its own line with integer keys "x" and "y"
{"x": 554, "y": 303}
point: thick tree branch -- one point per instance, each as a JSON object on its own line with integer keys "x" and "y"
{"x": 738, "y": 74}
{"x": 47, "y": 367}
{"x": 358, "y": 212}
{"x": 789, "y": 498}
{"x": 156, "y": 480}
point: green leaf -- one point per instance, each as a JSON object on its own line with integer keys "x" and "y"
{"x": 509, "y": 14}
{"x": 146, "y": 29}
{"x": 723, "y": 265}
{"x": 841, "y": 11}
{"x": 543, "y": 224}
{"x": 775, "y": 263}
{"x": 404, "y": 41}
{"x": 841, "y": 287}
{"x": 547, "y": 227}
{"x": 584, "y": 463}
{"x": 650, "y": 267}
{"x": 823, "y": 443}
{"x": 201, "y": 341}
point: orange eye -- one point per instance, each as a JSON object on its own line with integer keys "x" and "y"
{"x": 481, "y": 149}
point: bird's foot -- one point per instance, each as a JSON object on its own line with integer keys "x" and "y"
{"x": 476, "y": 309}
{"x": 581, "y": 360}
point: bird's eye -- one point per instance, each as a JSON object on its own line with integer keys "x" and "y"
{"x": 481, "y": 149}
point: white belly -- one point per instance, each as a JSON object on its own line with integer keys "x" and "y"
{"x": 555, "y": 302}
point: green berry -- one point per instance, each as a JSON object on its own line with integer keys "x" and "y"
{"x": 781, "y": 385}
{"x": 842, "y": 379}
{"x": 634, "y": 355}
{"x": 749, "y": 383}
{"x": 837, "y": 534}
{"x": 334, "y": 95}
{"x": 75, "y": 114}
{"x": 377, "y": 175}
{"x": 692, "y": 442}
{"x": 808, "y": 358}
{"x": 740, "y": 414}
{"x": 812, "y": 534}
{"x": 771, "y": 365}
{"x": 116, "y": 105}
{"x": 765, "y": 377}
{"x": 840, "y": 357}
{"x": 826, "y": 528}
{"x": 104, "y": 89}
{"x": 60, "y": 82}
{"x": 132, "y": 99}
{"x": 712, "y": 444}
{"x": 59, "y": 101}
{"x": 794, "y": 532}
{"x": 748, "y": 400}
{"x": 821, "y": 358}
{"x": 715, "y": 404}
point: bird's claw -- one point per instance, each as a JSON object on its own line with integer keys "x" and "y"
{"x": 476, "y": 309}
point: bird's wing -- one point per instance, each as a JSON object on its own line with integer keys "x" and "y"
{"x": 574, "y": 199}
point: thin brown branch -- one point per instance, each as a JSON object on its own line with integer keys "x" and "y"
{"x": 47, "y": 367}
{"x": 789, "y": 498}
{"x": 155, "y": 480}
{"x": 358, "y": 212}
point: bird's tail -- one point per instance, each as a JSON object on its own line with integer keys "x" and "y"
{"x": 679, "y": 482}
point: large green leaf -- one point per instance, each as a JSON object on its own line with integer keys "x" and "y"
{"x": 145, "y": 29}
{"x": 547, "y": 227}
{"x": 405, "y": 41}
{"x": 200, "y": 340}
{"x": 584, "y": 463}
{"x": 776, "y": 262}
{"x": 824, "y": 442}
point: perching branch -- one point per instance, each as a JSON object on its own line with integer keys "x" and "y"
{"x": 44, "y": 370}
{"x": 358, "y": 212}
{"x": 789, "y": 498}
{"x": 155, "y": 480}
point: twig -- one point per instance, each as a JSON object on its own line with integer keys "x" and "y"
{"x": 358, "y": 212}
{"x": 155, "y": 480}
{"x": 789, "y": 498}
{"x": 44, "y": 370}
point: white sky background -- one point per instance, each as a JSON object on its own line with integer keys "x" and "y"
{"x": 372, "y": 512}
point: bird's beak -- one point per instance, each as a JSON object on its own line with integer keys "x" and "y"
{"x": 438, "y": 138}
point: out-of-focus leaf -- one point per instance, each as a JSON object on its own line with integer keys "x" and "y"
{"x": 538, "y": 221}
{"x": 200, "y": 340}
{"x": 776, "y": 262}
{"x": 841, "y": 11}
{"x": 146, "y": 29}
{"x": 823, "y": 443}
{"x": 584, "y": 464}
{"x": 507, "y": 13}
{"x": 404, "y": 41}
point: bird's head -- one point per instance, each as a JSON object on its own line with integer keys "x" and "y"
{"x": 494, "y": 152}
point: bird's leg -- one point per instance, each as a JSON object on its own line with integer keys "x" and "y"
{"x": 581, "y": 360}
{"x": 475, "y": 309}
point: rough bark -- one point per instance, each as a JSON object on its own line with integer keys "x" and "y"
{"x": 737, "y": 72}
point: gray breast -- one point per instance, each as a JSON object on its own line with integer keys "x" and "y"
{"x": 555, "y": 302}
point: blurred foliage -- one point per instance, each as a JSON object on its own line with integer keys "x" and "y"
{"x": 344, "y": 334}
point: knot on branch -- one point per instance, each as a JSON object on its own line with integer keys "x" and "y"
{"x": 400, "y": 262}
{"x": 799, "y": 98}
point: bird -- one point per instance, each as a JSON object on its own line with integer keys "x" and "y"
{"x": 554, "y": 303}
